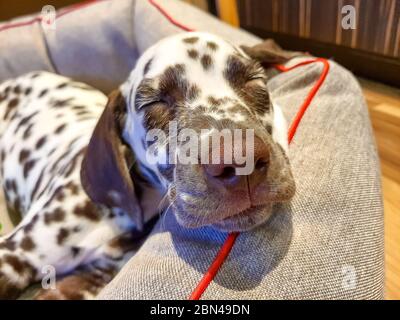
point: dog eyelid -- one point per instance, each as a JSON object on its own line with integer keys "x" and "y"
{"x": 257, "y": 80}
{"x": 150, "y": 103}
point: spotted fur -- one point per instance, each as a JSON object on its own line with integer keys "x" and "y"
{"x": 43, "y": 137}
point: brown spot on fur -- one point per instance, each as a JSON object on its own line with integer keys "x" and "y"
{"x": 191, "y": 40}
{"x": 88, "y": 210}
{"x": 57, "y": 215}
{"x": 17, "y": 206}
{"x": 55, "y": 195}
{"x": 62, "y": 102}
{"x": 173, "y": 86}
{"x": 83, "y": 113}
{"x": 23, "y": 155}
{"x": 11, "y": 185}
{"x": 19, "y": 266}
{"x": 76, "y": 229}
{"x": 158, "y": 116}
{"x": 192, "y": 53}
{"x": 216, "y": 102}
{"x": 69, "y": 168}
{"x": 62, "y": 235}
{"x": 24, "y": 121}
{"x": 17, "y": 89}
{"x": 212, "y": 45}
{"x": 235, "y": 71}
{"x": 60, "y": 128}
{"x": 37, "y": 185}
{"x": 29, "y": 226}
{"x": 7, "y": 90}
{"x": 206, "y": 61}
{"x": 56, "y": 164}
{"x": 11, "y": 106}
{"x": 75, "y": 251}
{"x": 27, "y": 132}
{"x": 60, "y": 196}
{"x": 27, "y": 244}
{"x": 41, "y": 142}
{"x": 7, "y": 244}
{"x": 28, "y": 91}
{"x": 193, "y": 93}
{"x": 73, "y": 187}
{"x": 43, "y": 92}
{"x": 28, "y": 167}
{"x": 62, "y": 85}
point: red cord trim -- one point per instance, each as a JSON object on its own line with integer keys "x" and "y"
{"x": 171, "y": 19}
{"x": 311, "y": 94}
{"x": 64, "y": 11}
{"x": 230, "y": 240}
{"x": 217, "y": 263}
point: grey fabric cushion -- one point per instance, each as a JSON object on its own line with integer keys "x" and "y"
{"x": 326, "y": 244}
{"x": 94, "y": 44}
{"x": 311, "y": 247}
{"x": 99, "y": 43}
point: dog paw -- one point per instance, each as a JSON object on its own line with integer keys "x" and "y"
{"x": 15, "y": 275}
{"x": 8, "y": 289}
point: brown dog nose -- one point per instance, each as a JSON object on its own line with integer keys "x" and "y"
{"x": 226, "y": 174}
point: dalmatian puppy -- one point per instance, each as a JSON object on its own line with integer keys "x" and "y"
{"x": 74, "y": 165}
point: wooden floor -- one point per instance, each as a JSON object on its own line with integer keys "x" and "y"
{"x": 384, "y": 107}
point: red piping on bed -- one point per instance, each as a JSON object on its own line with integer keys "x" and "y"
{"x": 64, "y": 11}
{"x": 230, "y": 240}
{"x": 311, "y": 94}
{"x": 171, "y": 19}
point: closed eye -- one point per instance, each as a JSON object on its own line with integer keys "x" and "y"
{"x": 146, "y": 103}
{"x": 256, "y": 81}
{"x": 151, "y": 103}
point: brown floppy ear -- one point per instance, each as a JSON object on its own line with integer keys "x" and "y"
{"x": 269, "y": 52}
{"x": 105, "y": 172}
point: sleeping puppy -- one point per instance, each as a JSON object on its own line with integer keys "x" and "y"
{"x": 205, "y": 84}
{"x": 192, "y": 129}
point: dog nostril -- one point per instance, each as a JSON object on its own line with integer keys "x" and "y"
{"x": 220, "y": 171}
{"x": 227, "y": 172}
{"x": 261, "y": 164}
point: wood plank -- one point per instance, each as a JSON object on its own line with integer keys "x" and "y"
{"x": 227, "y": 10}
{"x": 384, "y": 106}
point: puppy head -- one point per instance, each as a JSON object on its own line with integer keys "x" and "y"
{"x": 194, "y": 106}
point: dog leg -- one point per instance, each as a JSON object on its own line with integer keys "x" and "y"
{"x": 87, "y": 281}
{"x": 16, "y": 271}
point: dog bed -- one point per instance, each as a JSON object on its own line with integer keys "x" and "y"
{"x": 326, "y": 244}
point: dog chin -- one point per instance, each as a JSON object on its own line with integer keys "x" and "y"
{"x": 242, "y": 221}
{"x": 245, "y": 220}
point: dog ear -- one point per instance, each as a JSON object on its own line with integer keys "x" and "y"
{"x": 269, "y": 52}
{"x": 105, "y": 172}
